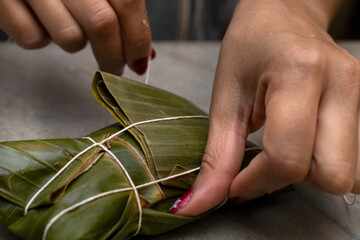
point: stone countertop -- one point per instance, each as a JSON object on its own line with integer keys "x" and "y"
{"x": 46, "y": 94}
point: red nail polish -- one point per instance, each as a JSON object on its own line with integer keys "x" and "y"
{"x": 140, "y": 65}
{"x": 153, "y": 54}
{"x": 238, "y": 201}
{"x": 181, "y": 201}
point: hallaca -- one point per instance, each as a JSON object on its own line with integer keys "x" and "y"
{"x": 115, "y": 183}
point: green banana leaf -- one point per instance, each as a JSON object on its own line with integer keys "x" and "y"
{"x": 43, "y": 182}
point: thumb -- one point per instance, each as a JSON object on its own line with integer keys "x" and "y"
{"x": 228, "y": 129}
{"x": 221, "y": 163}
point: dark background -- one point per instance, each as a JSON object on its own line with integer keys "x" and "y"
{"x": 346, "y": 25}
{"x": 208, "y": 19}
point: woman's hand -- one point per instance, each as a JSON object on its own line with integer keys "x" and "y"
{"x": 278, "y": 66}
{"x": 118, "y": 30}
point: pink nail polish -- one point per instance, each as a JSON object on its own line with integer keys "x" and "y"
{"x": 153, "y": 54}
{"x": 181, "y": 201}
{"x": 140, "y": 65}
{"x": 238, "y": 201}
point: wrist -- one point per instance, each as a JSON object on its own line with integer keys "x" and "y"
{"x": 320, "y": 12}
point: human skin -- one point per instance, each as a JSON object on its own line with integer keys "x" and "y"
{"x": 118, "y": 31}
{"x": 279, "y": 67}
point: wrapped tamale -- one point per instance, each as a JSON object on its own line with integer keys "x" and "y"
{"x": 114, "y": 183}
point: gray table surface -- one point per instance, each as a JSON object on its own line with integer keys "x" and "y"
{"x": 46, "y": 94}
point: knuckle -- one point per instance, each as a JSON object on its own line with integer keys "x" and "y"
{"x": 290, "y": 167}
{"x": 303, "y": 58}
{"x": 71, "y": 39}
{"x": 142, "y": 41}
{"x": 210, "y": 163}
{"x": 131, "y": 3}
{"x": 352, "y": 73}
{"x": 29, "y": 41}
{"x": 337, "y": 182}
{"x": 347, "y": 82}
{"x": 103, "y": 20}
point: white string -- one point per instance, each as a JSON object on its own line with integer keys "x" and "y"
{"x": 221, "y": 204}
{"x": 147, "y": 75}
{"x": 133, "y": 187}
{"x": 54, "y": 177}
{"x": 100, "y": 195}
{"x": 102, "y": 142}
{"x": 153, "y": 121}
{"x": 130, "y": 180}
{"x": 252, "y": 148}
{"x": 350, "y": 203}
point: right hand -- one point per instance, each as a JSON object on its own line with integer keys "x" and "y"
{"x": 118, "y": 30}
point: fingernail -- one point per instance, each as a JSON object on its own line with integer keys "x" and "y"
{"x": 238, "y": 201}
{"x": 140, "y": 65}
{"x": 153, "y": 54}
{"x": 181, "y": 201}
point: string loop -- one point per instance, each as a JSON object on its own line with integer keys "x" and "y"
{"x": 133, "y": 187}
{"x": 350, "y": 203}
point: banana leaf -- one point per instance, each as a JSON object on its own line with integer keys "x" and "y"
{"x": 49, "y": 191}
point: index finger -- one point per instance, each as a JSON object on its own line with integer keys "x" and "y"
{"x": 289, "y": 136}
{"x": 101, "y": 25}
